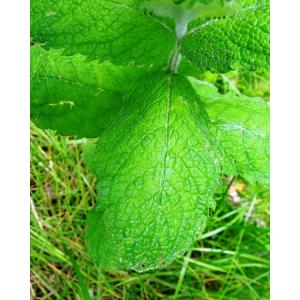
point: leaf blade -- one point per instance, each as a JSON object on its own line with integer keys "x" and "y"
{"x": 117, "y": 31}
{"x": 241, "y": 126}
{"x": 74, "y": 96}
{"x": 239, "y": 41}
{"x": 156, "y": 177}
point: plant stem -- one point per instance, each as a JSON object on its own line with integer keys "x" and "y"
{"x": 175, "y": 58}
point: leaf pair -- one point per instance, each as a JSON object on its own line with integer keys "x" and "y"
{"x": 123, "y": 33}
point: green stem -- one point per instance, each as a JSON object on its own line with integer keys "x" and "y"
{"x": 175, "y": 58}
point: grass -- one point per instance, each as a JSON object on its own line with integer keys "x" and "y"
{"x": 229, "y": 261}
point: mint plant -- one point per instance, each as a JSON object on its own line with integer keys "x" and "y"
{"x": 161, "y": 139}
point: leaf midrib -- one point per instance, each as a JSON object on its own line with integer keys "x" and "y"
{"x": 167, "y": 138}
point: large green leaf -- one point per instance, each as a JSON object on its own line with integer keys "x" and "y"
{"x": 240, "y": 40}
{"x": 157, "y": 170}
{"x": 74, "y": 96}
{"x": 241, "y": 127}
{"x": 118, "y": 31}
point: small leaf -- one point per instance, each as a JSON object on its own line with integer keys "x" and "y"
{"x": 157, "y": 171}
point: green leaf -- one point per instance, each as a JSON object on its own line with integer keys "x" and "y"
{"x": 118, "y": 31}
{"x": 241, "y": 128}
{"x": 74, "y": 96}
{"x": 157, "y": 170}
{"x": 89, "y": 148}
{"x": 237, "y": 41}
{"x": 205, "y": 90}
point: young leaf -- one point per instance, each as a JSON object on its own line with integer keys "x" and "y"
{"x": 238, "y": 41}
{"x": 74, "y": 96}
{"x": 157, "y": 171}
{"x": 118, "y": 31}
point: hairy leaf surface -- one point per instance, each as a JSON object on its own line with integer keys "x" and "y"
{"x": 157, "y": 170}
{"x": 74, "y": 96}
{"x": 118, "y": 31}
{"x": 237, "y": 41}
